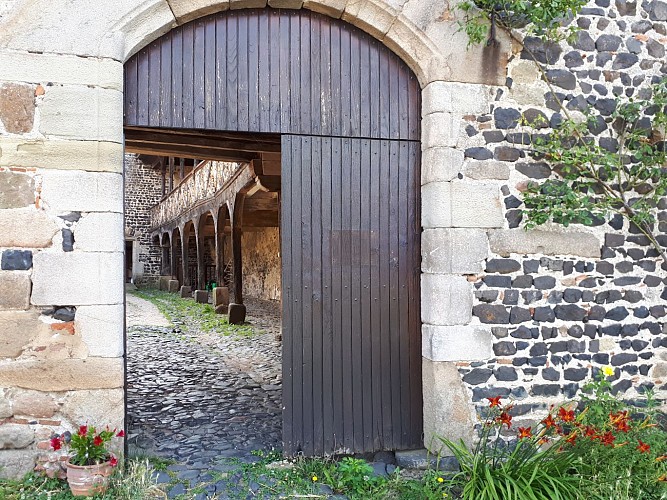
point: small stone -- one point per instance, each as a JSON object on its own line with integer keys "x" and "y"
{"x": 478, "y": 153}
{"x": 505, "y": 374}
{"x": 491, "y": 313}
{"x": 504, "y": 348}
{"x": 503, "y": 266}
{"x": 537, "y": 170}
{"x": 506, "y": 118}
{"x": 608, "y": 43}
{"x": 561, "y": 78}
{"x": 544, "y": 315}
{"x": 16, "y": 260}
{"x": 505, "y": 153}
{"x": 570, "y": 312}
{"x": 624, "y": 61}
{"x": 575, "y": 374}
{"x": 477, "y": 376}
{"x": 623, "y": 358}
{"x": 68, "y": 240}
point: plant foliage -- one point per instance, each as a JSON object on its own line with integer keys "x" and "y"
{"x": 627, "y": 176}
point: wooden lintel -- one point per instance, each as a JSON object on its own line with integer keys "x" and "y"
{"x": 188, "y": 151}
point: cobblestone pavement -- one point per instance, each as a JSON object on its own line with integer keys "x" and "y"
{"x": 196, "y": 397}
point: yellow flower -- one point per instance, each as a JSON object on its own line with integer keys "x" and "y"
{"x": 441, "y": 480}
{"x": 608, "y": 371}
{"x": 314, "y": 478}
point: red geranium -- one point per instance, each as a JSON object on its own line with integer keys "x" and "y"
{"x": 87, "y": 446}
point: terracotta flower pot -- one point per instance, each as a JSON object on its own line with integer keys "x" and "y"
{"x": 88, "y": 480}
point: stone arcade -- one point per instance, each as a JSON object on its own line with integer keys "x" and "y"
{"x": 504, "y": 311}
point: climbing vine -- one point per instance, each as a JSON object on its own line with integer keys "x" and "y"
{"x": 626, "y": 176}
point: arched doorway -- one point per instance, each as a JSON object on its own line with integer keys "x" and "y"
{"x": 348, "y": 114}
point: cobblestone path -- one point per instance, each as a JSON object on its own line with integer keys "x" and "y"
{"x": 196, "y": 396}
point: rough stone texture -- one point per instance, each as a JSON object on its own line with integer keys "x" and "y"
{"x": 69, "y": 191}
{"x": 16, "y": 463}
{"x": 236, "y": 313}
{"x": 506, "y": 242}
{"x": 476, "y": 205}
{"x": 17, "y": 190}
{"x": 447, "y": 409}
{"x": 143, "y": 189}
{"x": 91, "y": 279}
{"x": 261, "y": 263}
{"x": 18, "y": 329}
{"x": 436, "y": 205}
{"x": 98, "y": 232}
{"x": 95, "y": 156}
{"x": 97, "y": 116}
{"x": 456, "y": 343}
{"x": 15, "y": 436}
{"x": 440, "y": 164}
{"x": 17, "y": 107}
{"x": 485, "y": 170}
{"x": 101, "y": 329}
{"x": 187, "y": 10}
{"x": 26, "y": 227}
{"x": 63, "y": 374}
{"x": 446, "y": 299}
{"x": 94, "y": 406}
{"x": 186, "y": 291}
{"x": 173, "y": 286}
{"x": 34, "y": 404}
{"x": 455, "y": 251}
{"x": 220, "y": 296}
{"x": 16, "y": 260}
{"x": 201, "y": 296}
{"x": 14, "y": 290}
{"x": 440, "y": 130}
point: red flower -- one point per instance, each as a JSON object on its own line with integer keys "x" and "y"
{"x": 608, "y": 439}
{"x": 525, "y": 432}
{"x": 113, "y": 461}
{"x": 643, "y": 447}
{"x": 98, "y": 441}
{"x": 83, "y": 430}
{"x": 505, "y": 419}
{"x": 121, "y": 433}
{"x": 566, "y": 415}
{"x": 590, "y": 432}
{"x": 620, "y": 421}
{"x": 56, "y": 444}
{"x": 572, "y": 438}
{"x": 495, "y": 401}
{"x": 549, "y": 422}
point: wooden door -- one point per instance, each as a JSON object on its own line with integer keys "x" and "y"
{"x": 350, "y": 261}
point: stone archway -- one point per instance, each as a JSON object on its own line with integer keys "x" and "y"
{"x": 79, "y": 142}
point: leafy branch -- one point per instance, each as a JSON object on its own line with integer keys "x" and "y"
{"x": 627, "y": 176}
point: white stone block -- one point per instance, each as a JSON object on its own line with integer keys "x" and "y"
{"x": 100, "y": 232}
{"x": 187, "y": 10}
{"x": 456, "y": 343}
{"x": 141, "y": 23}
{"x": 436, "y": 205}
{"x": 441, "y": 164}
{"x": 440, "y": 130}
{"x": 101, "y": 328}
{"x": 374, "y": 17}
{"x": 77, "y": 278}
{"x": 79, "y": 112}
{"x": 486, "y": 170}
{"x": 446, "y": 299}
{"x": 26, "y": 227}
{"x": 476, "y": 204}
{"x": 331, "y": 8}
{"x": 559, "y": 242}
{"x": 454, "y": 251}
{"x": 74, "y": 190}
{"x": 61, "y": 154}
{"x": 19, "y": 66}
{"x": 453, "y": 97}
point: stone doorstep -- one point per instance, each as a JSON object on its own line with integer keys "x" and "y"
{"x": 422, "y": 459}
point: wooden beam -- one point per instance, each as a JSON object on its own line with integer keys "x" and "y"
{"x": 188, "y": 151}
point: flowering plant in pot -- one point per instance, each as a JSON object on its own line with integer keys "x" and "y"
{"x": 89, "y": 463}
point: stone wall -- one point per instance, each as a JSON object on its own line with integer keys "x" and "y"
{"x": 261, "y": 263}
{"x": 561, "y": 303}
{"x": 143, "y": 189}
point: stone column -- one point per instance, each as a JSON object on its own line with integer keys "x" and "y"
{"x": 201, "y": 269}
{"x": 237, "y": 310}
{"x": 173, "y": 259}
{"x": 185, "y": 243}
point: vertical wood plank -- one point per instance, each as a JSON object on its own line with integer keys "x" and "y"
{"x": 315, "y": 38}
{"x": 373, "y": 90}
{"x": 142, "y": 87}
{"x": 177, "y": 78}
{"x": 263, "y": 73}
{"x": 345, "y": 77}
{"x": 328, "y": 385}
{"x": 232, "y": 71}
{"x": 362, "y": 103}
{"x": 221, "y": 69}
{"x": 253, "y": 72}
{"x": 243, "y": 82}
{"x": 355, "y": 84}
{"x": 316, "y": 217}
{"x": 346, "y": 295}
{"x": 414, "y": 107}
{"x": 365, "y": 325}
{"x": 165, "y": 82}
{"x": 276, "y": 70}
{"x": 199, "y": 57}
{"x": 338, "y": 363}
{"x": 130, "y": 91}
{"x": 386, "y": 348}
{"x": 154, "y": 88}
{"x": 188, "y": 76}
{"x": 210, "y": 101}
{"x": 287, "y": 295}
{"x": 326, "y": 70}
{"x": 287, "y": 74}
